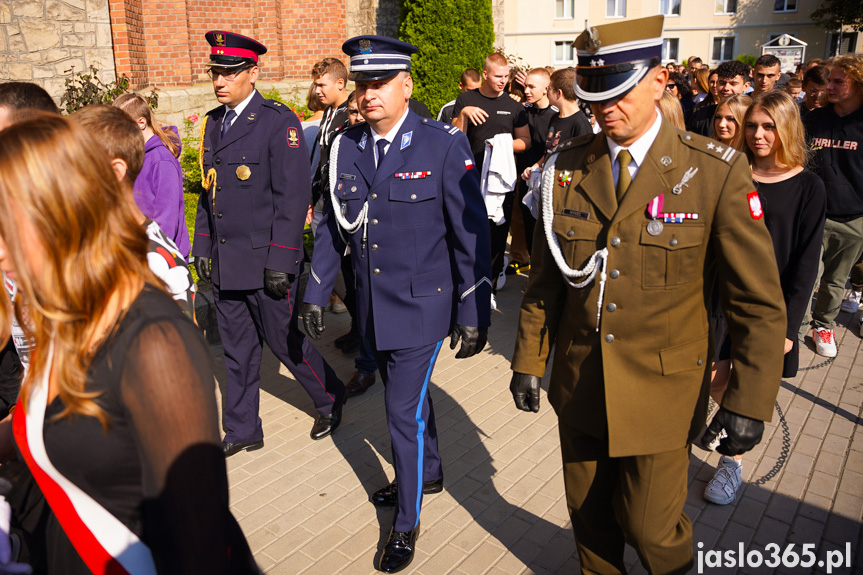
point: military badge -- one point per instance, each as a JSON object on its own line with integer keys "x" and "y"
{"x": 219, "y": 38}
{"x": 365, "y": 46}
{"x": 654, "y": 227}
{"x": 684, "y": 181}
{"x": 293, "y": 138}
{"x": 413, "y": 175}
{"x": 564, "y": 178}
{"x": 363, "y": 140}
{"x": 755, "y": 209}
{"x": 243, "y": 173}
{"x": 654, "y": 208}
{"x": 406, "y": 140}
{"x": 593, "y": 43}
{"x": 251, "y": 117}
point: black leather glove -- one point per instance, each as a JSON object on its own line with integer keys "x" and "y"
{"x": 525, "y": 391}
{"x": 202, "y": 266}
{"x": 313, "y": 320}
{"x": 278, "y": 283}
{"x": 743, "y": 432}
{"x": 473, "y": 339}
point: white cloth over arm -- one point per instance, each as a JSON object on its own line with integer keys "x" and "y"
{"x": 498, "y": 175}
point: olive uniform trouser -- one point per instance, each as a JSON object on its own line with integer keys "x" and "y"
{"x": 616, "y": 500}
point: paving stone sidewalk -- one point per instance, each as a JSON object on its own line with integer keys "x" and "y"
{"x": 304, "y": 505}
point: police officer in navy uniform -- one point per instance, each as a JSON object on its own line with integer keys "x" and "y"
{"x": 248, "y": 241}
{"x": 405, "y": 199}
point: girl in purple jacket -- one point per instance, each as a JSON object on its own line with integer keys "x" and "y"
{"x": 159, "y": 187}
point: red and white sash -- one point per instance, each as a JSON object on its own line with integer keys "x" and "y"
{"x": 106, "y": 545}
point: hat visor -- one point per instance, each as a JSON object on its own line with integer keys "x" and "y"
{"x": 373, "y": 75}
{"x": 604, "y": 87}
{"x": 229, "y": 62}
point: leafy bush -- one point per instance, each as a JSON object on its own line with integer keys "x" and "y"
{"x": 83, "y": 89}
{"x": 295, "y": 103}
{"x": 747, "y": 59}
{"x": 452, "y": 35}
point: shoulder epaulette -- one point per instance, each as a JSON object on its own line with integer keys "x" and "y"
{"x": 449, "y": 128}
{"x": 574, "y": 142}
{"x": 708, "y": 146}
{"x": 214, "y": 110}
{"x": 275, "y": 105}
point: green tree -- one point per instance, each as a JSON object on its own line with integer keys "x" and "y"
{"x": 452, "y": 35}
{"x": 834, "y": 14}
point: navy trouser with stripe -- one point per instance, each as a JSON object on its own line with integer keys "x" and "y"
{"x": 246, "y": 320}
{"x": 410, "y": 417}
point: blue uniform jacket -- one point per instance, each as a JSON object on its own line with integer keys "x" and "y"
{"x": 261, "y": 195}
{"x": 426, "y": 262}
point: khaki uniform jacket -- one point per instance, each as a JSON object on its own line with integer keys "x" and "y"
{"x": 641, "y": 380}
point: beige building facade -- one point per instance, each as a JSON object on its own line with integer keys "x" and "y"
{"x": 537, "y": 31}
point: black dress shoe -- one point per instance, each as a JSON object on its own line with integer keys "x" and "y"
{"x": 389, "y": 495}
{"x": 232, "y": 448}
{"x": 326, "y": 424}
{"x": 359, "y": 383}
{"x": 399, "y": 550}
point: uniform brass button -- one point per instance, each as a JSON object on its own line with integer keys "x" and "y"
{"x": 374, "y": 247}
{"x": 374, "y": 222}
{"x": 244, "y": 158}
{"x": 218, "y": 188}
{"x": 673, "y": 242}
{"x": 609, "y": 338}
{"x": 353, "y": 188}
{"x": 615, "y": 241}
{"x": 218, "y": 160}
{"x": 614, "y": 274}
{"x": 223, "y": 240}
{"x": 219, "y": 216}
{"x": 439, "y": 290}
{"x": 374, "y": 196}
{"x": 570, "y": 233}
{"x": 611, "y": 307}
{"x": 700, "y": 362}
{"x": 413, "y": 196}
{"x": 377, "y": 272}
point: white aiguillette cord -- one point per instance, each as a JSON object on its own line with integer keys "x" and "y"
{"x": 362, "y": 219}
{"x": 592, "y": 266}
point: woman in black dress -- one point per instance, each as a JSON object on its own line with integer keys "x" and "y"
{"x": 792, "y": 201}
{"x": 116, "y": 419}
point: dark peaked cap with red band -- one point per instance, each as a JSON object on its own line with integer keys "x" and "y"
{"x": 231, "y": 50}
{"x": 614, "y": 58}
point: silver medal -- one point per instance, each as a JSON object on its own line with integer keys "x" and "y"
{"x": 654, "y": 227}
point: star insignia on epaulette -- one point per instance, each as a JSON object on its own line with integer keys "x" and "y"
{"x": 710, "y": 145}
{"x": 719, "y": 149}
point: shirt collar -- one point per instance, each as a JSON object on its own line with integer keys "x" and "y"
{"x": 639, "y": 149}
{"x": 392, "y": 133}
{"x": 242, "y": 105}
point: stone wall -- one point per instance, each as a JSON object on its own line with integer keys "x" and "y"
{"x": 41, "y": 41}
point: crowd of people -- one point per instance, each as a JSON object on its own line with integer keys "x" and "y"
{"x": 109, "y": 440}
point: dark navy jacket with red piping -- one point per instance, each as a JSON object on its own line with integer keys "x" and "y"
{"x": 261, "y": 195}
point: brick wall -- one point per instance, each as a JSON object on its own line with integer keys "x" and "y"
{"x": 161, "y": 43}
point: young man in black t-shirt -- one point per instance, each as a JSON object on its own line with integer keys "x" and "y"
{"x": 470, "y": 80}
{"x": 482, "y": 114}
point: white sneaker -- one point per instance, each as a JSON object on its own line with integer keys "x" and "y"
{"x": 723, "y": 487}
{"x": 501, "y": 279}
{"x": 825, "y": 342}
{"x": 852, "y": 303}
{"x": 493, "y": 303}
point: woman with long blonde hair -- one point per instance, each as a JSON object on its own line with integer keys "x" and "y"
{"x": 792, "y": 201}
{"x": 728, "y": 119}
{"x": 116, "y": 419}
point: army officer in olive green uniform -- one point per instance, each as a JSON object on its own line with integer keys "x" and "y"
{"x": 636, "y": 224}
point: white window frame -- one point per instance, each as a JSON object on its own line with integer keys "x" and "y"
{"x": 568, "y": 10}
{"x": 714, "y": 37}
{"x": 786, "y": 10}
{"x": 666, "y": 58}
{"x": 725, "y": 5}
{"x": 567, "y": 44}
{"x": 670, "y": 3}
{"x": 617, "y": 6}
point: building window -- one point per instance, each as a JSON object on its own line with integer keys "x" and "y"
{"x": 670, "y": 7}
{"x": 785, "y": 6}
{"x": 723, "y": 49}
{"x": 563, "y": 52}
{"x": 725, "y": 7}
{"x": 615, "y": 8}
{"x": 563, "y": 8}
{"x": 669, "y": 49}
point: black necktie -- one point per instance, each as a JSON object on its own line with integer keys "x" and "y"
{"x": 381, "y": 144}
{"x": 227, "y": 120}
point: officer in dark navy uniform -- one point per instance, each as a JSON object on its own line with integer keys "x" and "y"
{"x": 405, "y": 198}
{"x": 248, "y": 241}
